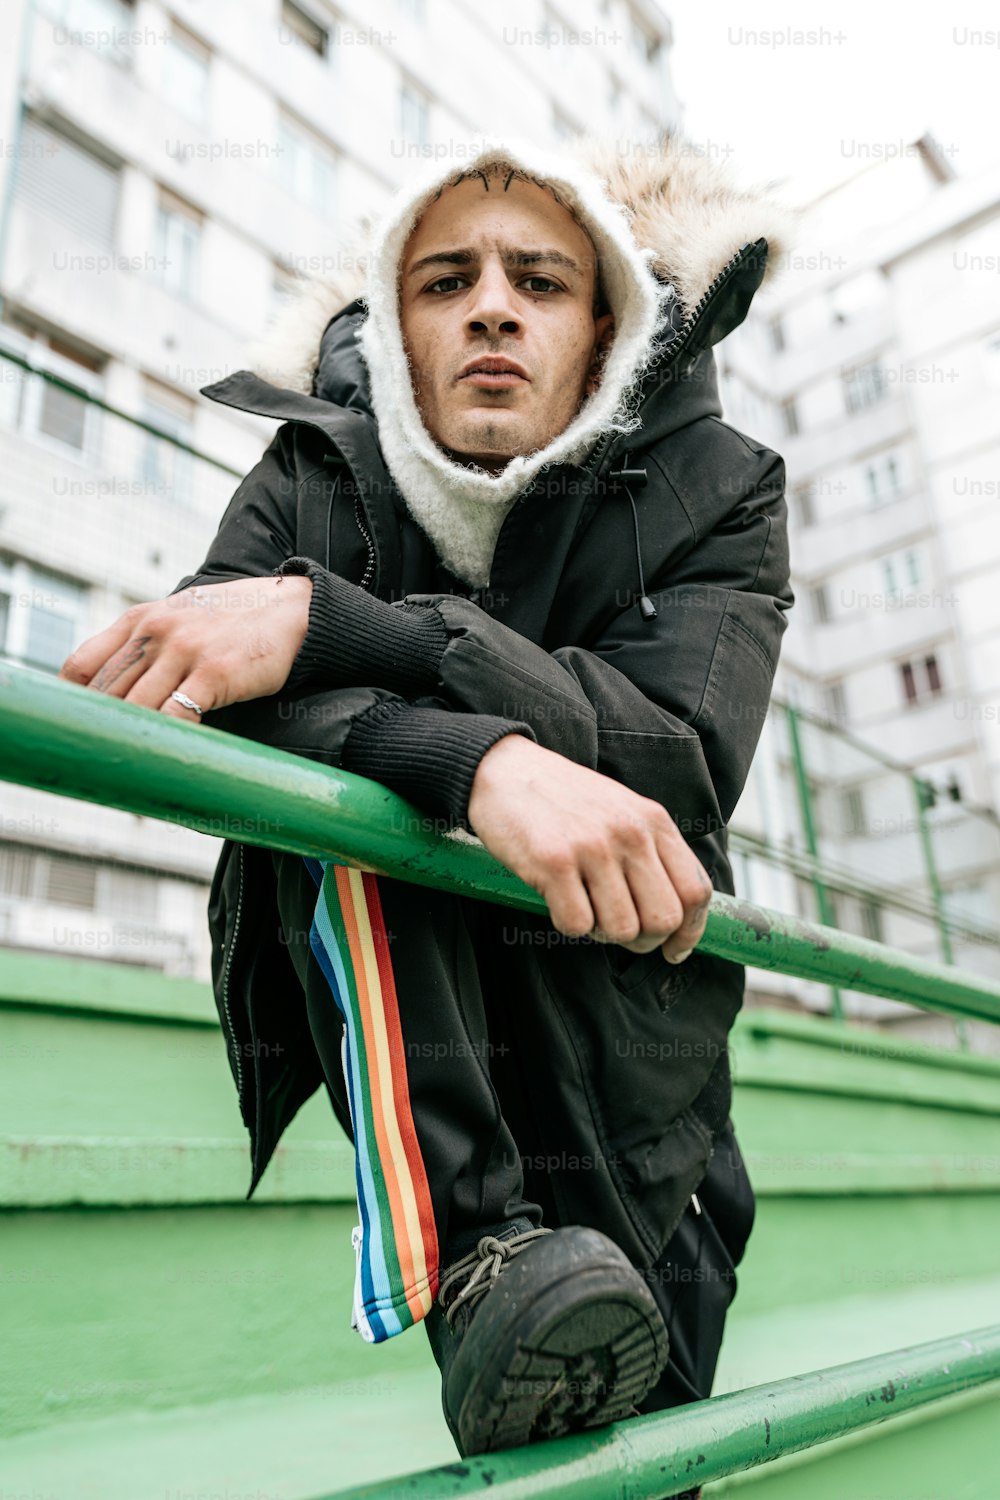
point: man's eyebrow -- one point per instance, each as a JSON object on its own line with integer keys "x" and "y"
{"x": 510, "y": 257}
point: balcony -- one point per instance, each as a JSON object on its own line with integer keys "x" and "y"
{"x": 814, "y": 452}
{"x": 821, "y": 549}
{"x": 845, "y": 344}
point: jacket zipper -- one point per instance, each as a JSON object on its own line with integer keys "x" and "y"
{"x": 370, "y": 569}
{"x": 694, "y": 317}
{"x": 226, "y": 977}
{"x": 676, "y": 346}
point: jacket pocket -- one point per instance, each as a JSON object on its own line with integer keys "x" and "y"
{"x": 647, "y": 1034}
{"x": 665, "y": 980}
{"x": 630, "y": 969}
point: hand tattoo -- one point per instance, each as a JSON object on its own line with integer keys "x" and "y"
{"x": 119, "y": 664}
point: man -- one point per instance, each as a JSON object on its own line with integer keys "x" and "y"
{"x": 430, "y": 580}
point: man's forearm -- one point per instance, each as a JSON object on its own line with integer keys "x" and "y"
{"x": 426, "y": 753}
{"x": 355, "y": 638}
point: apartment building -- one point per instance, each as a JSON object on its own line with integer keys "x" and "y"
{"x": 874, "y": 368}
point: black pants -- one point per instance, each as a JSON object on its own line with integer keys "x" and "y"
{"x": 485, "y": 1068}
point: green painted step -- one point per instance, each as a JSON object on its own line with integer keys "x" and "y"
{"x": 161, "y": 1335}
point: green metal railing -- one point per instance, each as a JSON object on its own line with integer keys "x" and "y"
{"x": 658, "y": 1455}
{"x": 894, "y": 870}
{"x": 809, "y": 829}
{"x": 77, "y": 743}
{"x": 61, "y": 738}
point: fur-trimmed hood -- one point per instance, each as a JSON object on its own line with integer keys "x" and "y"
{"x": 665, "y": 220}
{"x": 683, "y": 205}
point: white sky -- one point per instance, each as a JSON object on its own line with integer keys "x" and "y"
{"x": 804, "y": 111}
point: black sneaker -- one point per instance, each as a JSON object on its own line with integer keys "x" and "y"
{"x": 542, "y": 1332}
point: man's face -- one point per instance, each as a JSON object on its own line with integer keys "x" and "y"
{"x": 508, "y": 277}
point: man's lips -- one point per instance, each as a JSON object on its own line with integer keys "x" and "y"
{"x": 493, "y": 372}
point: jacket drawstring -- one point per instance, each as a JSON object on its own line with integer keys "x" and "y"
{"x": 637, "y": 476}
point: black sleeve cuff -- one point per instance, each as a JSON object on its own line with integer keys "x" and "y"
{"x": 355, "y": 639}
{"x": 428, "y": 755}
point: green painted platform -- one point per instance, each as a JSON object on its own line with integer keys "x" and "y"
{"x": 164, "y": 1338}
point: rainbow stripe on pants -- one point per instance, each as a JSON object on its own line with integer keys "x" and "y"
{"x": 396, "y": 1247}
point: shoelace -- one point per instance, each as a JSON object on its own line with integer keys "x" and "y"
{"x": 491, "y": 1253}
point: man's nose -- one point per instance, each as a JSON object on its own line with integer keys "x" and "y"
{"x": 492, "y": 309}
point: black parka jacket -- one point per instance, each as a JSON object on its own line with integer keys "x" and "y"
{"x": 685, "y": 512}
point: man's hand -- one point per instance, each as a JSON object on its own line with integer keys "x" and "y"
{"x": 600, "y": 854}
{"x": 219, "y": 643}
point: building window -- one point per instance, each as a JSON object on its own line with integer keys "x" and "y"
{"x": 913, "y": 568}
{"x": 871, "y": 921}
{"x": 299, "y": 29}
{"x": 804, "y": 505}
{"x": 61, "y": 414}
{"x": 865, "y": 385}
{"x": 969, "y": 901}
{"x": 308, "y": 168}
{"x": 57, "y": 414}
{"x": 166, "y": 469}
{"x": 36, "y": 875}
{"x": 414, "y": 115}
{"x": 414, "y": 9}
{"x": 892, "y": 479}
{"x": 133, "y": 895}
{"x": 68, "y": 184}
{"x": 17, "y": 872}
{"x": 41, "y": 615}
{"x": 883, "y": 478}
{"x": 921, "y": 679}
{"x": 178, "y": 239}
{"x": 805, "y": 898}
{"x": 852, "y": 804}
{"x": 41, "y": 875}
{"x": 889, "y": 573}
{"x": 820, "y": 604}
{"x": 836, "y": 702}
{"x": 857, "y": 297}
{"x": 70, "y": 882}
{"x": 790, "y": 415}
{"x": 185, "y": 74}
{"x": 103, "y": 25}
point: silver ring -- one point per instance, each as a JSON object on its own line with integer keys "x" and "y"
{"x": 186, "y": 702}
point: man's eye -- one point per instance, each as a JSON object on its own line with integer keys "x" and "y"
{"x": 548, "y": 283}
{"x": 436, "y": 285}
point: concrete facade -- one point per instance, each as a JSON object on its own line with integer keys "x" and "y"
{"x": 874, "y": 368}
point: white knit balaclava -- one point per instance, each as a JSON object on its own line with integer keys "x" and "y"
{"x": 463, "y": 508}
